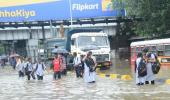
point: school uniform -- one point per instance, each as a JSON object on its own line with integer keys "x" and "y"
{"x": 150, "y": 75}
{"x": 39, "y": 70}
{"x": 20, "y": 68}
{"x": 89, "y": 76}
{"x": 139, "y": 80}
{"x": 77, "y": 66}
{"x": 29, "y": 70}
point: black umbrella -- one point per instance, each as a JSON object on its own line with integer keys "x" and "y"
{"x": 14, "y": 55}
{"x": 59, "y": 50}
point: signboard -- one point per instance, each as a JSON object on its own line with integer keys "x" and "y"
{"x": 41, "y": 10}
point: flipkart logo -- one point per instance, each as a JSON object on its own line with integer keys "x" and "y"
{"x": 10, "y": 3}
{"x": 107, "y": 5}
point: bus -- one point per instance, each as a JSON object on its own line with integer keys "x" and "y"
{"x": 159, "y": 46}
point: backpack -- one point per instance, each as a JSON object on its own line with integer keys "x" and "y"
{"x": 155, "y": 66}
{"x": 90, "y": 63}
{"x": 37, "y": 67}
{"x": 26, "y": 69}
{"x": 142, "y": 70}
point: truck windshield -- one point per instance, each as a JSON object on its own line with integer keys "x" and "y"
{"x": 99, "y": 41}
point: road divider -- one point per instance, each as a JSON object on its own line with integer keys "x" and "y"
{"x": 102, "y": 75}
{"x": 126, "y": 77}
{"x": 116, "y": 76}
{"x": 113, "y": 76}
{"x": 168, "y": 81}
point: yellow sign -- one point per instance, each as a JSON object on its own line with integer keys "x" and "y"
{"x": 9, "y": 3}
{"x": 107, "y": 5}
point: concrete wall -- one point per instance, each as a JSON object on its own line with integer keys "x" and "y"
{"x": 24, "y": 33}
{"x": 35, "y": 33}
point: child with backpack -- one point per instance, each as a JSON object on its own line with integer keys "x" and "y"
{"x": 39, "y": 69}
{"x": 150, "y": 58}
{"x": 140, "y": 69}
{"x": 29, "y": 69}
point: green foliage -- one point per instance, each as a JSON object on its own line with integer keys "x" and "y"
{"x": 156, "y": 14}
{"x": 118, "y": 5}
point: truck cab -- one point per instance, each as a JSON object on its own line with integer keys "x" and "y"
{"x": 97, "y": 42}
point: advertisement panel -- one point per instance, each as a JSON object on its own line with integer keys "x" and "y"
{"x": 41, "y": 10}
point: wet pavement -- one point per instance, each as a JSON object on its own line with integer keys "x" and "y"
{"x": 72, "y": 88}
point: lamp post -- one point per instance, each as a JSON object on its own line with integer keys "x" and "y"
{"x": 71, "y": 16}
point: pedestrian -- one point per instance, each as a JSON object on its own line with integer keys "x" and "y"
{"x": 29, "y": 69}
{"x": 63, "y": 64}
{"x": 56, "y": 65}
{"x": 89, "y": 68}
{"x": 140, "y": 80}
{"x": 13, "y": 62}
{"x": 20, "y": 66}
{"x": 77, "y": 65}
{"x": 149, "y": 58}
{"x": 39, "y": 69}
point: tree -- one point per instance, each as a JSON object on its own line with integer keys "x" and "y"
{"x": 156, "y": 16}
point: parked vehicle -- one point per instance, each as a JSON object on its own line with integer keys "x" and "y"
{"x": 161, "y": 47}
{"x": 83, "y": 40}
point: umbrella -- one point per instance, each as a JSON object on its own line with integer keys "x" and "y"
{"x": 14, "y": 55}
{"x": 59, "y": 50}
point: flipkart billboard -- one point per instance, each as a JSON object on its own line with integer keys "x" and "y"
{"x": 41, "y": 10}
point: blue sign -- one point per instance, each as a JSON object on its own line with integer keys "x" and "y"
{"x": 41, "y": 10}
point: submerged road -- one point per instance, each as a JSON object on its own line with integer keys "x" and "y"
{"x": 72, "y": 88}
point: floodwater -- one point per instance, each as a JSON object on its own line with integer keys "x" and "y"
{"x": 72, "y": 88}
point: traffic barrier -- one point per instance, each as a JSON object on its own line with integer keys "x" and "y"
{"x": 116, "y": 76}
{"x": 168, "y": 81}
{"x": 123, "y": 77}
{"x": 102, "y": 75}
{"x": 126, "y": 77}
{"x": 113, "y": 76}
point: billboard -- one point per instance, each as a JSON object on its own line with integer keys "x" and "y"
{"x": 41, "y": 10}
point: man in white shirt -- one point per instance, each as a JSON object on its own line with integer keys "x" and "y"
{"x": 77, "y": 65}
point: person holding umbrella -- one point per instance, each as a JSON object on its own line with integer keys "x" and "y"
{"x": 13, "y": 61}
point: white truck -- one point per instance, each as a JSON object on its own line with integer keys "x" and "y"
{"x": 97, "y": 42}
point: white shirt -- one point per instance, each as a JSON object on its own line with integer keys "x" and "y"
{"x": 30, "y": 66}
{"x": 76, "y": 60}
{"x": 20, "y": 66}
{"x": 40, "y": 70}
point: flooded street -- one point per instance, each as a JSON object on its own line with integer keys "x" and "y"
{"x": 72, "y": 88}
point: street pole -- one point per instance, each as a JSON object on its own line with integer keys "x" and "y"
{"x": 44, "y": 46}
{"x": 71, "y": 16}
{"x": 51, "y": 28}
